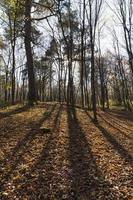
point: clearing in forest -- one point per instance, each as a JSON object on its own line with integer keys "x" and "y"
{"x": 76, "y": 160}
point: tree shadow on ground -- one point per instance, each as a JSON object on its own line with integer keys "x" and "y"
{"x": 88, "y": 181}
{"x": 118, "y": 121}
{"x": 13, "y": 112}
{"x": 122, "y": 115}
{"x": 115, "y": 125}
{"x": 115, "y": 144}
{"x": 39, "y": 180}
{"x": 15, "y": 156}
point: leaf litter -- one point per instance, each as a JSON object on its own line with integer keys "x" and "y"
{"x": 78, "y": 160}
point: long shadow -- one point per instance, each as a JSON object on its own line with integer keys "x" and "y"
{"x": 13, "y": 112}
{"x": 88, "y": 181}
{"x": 122, "y": 115}
{"x": 115, "y": 144}
{"x": 20, "y": 110}
{"x": 117, "y": 121}
{"x": 16, "y": 154}
{"x": 114, "y": 126}
{"x": 43, "y": 166}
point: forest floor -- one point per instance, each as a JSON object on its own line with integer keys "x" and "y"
{"x": 77, "y": 160}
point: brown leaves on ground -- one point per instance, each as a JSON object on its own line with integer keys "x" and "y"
{"x": 77, "y": 160}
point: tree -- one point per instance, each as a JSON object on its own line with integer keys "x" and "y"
{"x": 68, "y": 24}
{"x": 126, "y": 18}
{"x": 94, "y": 12}
{"x": 29, "y": 54}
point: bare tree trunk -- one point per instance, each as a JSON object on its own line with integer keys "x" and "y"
{"x": 107, "y": 96}
{"x": 93, "y": 90}
{"x": 29, "y": 56}
{"x": 50, "y": 84}
{"x": 70, "y": 94}
{"x": 82, "y": 56}
{"x": 101, "y": 73}
{"x": 6, "y": 83}
{"x": 13, "y": 46}
{"x": 13, "y": 69}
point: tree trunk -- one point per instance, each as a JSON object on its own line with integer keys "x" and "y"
{"x": 13, "y": 71}
{"x": 29, "y": 56}
{"x": 82, "y": 57}
{"x": 93, "y": 89}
